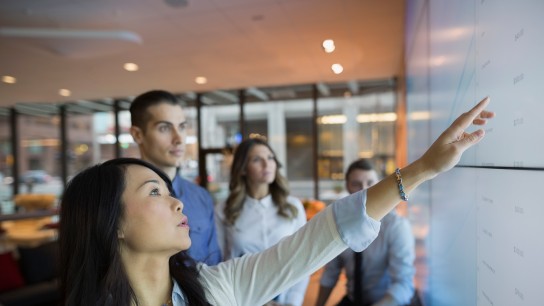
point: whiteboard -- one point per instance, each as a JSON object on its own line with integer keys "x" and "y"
{"x": 482, "y": 220}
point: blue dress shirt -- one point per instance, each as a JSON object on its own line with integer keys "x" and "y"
{"x": 388, "y": 264}
{"x": 198, "y": 207}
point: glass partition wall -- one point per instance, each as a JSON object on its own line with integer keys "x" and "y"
{"x": 284, "y": 117}
{"x": 315, "y": 130}
{"x": 353, "y": 127}
{"x": 6, "y": 163}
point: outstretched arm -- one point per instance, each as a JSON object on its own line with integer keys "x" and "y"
{"x": 443, "y": 154}
{"x": 349, "y": 222}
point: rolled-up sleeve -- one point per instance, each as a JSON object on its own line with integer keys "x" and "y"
{"x": 352, "y": 220}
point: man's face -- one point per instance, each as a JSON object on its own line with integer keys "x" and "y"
{"x": 162, "y": 142}
{"x": 361, "y": 179}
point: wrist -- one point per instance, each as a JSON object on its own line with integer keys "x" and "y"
{"x": 415, "y": 174}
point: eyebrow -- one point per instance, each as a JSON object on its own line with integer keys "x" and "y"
{"x": 169, "y": 123}
{"x": 149, "y": 181}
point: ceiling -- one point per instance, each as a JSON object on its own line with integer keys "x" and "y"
{"x": 81, "y": 45}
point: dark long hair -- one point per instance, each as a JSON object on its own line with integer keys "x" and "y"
{"x": 279, "y": 188}
{"x": 91, "y": 269}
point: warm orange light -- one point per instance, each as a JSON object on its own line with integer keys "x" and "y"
{"x": 130, "y": 67}
{"x": 65, "y": 92}
{"x": 201, "y": 80}
{"x": 9, "y": 79}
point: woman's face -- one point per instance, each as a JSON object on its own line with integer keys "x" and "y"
{"x": 261, "y": 165}
{"x": 153, "y": 221}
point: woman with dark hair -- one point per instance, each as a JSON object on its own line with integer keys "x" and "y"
{"x": 123, "y": 236}
{"x": 259, "y": 212}
{"x": 96, "y": 240}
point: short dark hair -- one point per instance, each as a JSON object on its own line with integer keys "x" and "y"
{"x": 138, "y": 108}
{"x": 91, "y": 269}
{"x": 360, "y": 164}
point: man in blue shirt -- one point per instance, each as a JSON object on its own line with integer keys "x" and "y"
{"x": 386, "y": 266}
{"x": 159, "y": 129}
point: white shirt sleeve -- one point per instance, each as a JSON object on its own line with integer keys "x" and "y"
{"x": 257, "y": 278}
{"x": 295, "y": 295}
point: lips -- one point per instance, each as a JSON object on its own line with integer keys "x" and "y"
{"x": 184, "y": 222}
{"x": 177, "y": 153}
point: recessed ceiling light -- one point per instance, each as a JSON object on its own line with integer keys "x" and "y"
{"x": 328, "y": 45}
{"x": 65, "y": 92}
{"x": 9, "y": 79}
{"x": 130, "y": 67}
{"x": 201, "y": 80}
{"x": 337, "y": 68}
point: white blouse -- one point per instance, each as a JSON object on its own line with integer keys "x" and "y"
{"x": 257, "y": 228}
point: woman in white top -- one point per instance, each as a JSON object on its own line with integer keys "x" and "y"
{"x": 259, "y": 211}
{"x": 123, "y": 237}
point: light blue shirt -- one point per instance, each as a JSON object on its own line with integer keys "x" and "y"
{"x": 178, "y": 298}
{"x": 388, "y": 264}
{"x": 198, "y": 207}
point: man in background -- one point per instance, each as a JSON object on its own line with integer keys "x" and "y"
{"x": 386, "y": 268}
{"x": 159, "y": 128}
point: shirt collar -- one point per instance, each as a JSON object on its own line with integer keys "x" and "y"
{"x": 178, "y": 298}
{"x": 266, "y": 201}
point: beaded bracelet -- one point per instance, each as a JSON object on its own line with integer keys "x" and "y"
{"x": 403, "y": 195}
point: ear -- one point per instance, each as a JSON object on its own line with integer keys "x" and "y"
{"x": 120, "y": 234}
{"x": 137, "y": 134}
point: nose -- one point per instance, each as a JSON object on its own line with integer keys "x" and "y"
{"x": 178, "y": 205}
{"x": 178, "y": 137}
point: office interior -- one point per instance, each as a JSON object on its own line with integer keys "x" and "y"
{"x": 324, "y": 81}
{"x": 268, "y": 73}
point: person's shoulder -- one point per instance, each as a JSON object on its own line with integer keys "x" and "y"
{"x": 297, "y": 203}
{"x": 395, "y": 224}
{"x": 393, "y": 218}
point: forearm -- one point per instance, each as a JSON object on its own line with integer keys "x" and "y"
{"x": 384, "y": 196}
{"x": 323, "y": 295}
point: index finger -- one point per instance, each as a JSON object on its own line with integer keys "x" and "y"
{"x": 467, "y": 118}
